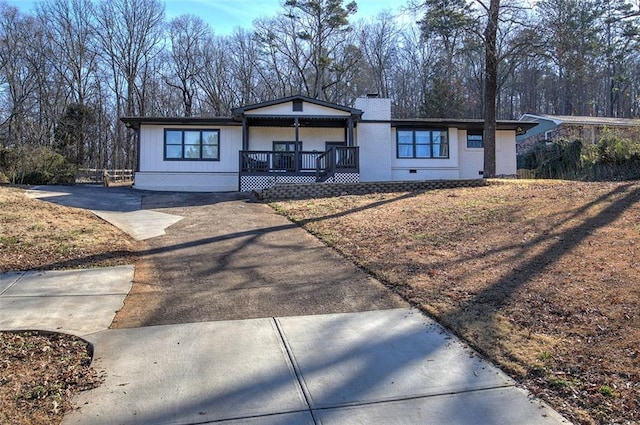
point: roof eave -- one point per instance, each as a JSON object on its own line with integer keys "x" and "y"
{"x": 136, "y": 122}
{"x": 463, "y": 123}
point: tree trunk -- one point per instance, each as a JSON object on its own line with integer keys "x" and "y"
{"x": 490, "y": 90}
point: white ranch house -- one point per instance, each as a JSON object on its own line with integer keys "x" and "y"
{"x": 300, "y": 140}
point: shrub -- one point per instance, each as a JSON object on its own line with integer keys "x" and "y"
{"x": 614, "y": 157}
{"x": 36, "y": 165}
{"x": 554, "y": 160}
{"x": 616, "y": 150}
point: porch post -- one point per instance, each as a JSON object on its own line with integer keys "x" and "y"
{"x": 296, "y": 125}
{"x": 350, "y": 141}
{"x": 245, "y": 134}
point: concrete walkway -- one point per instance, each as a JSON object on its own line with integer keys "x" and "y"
{"x": 77, "y": 302}
{"x": 229, "y": 258}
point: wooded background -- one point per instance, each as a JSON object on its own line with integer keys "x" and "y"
{"x": 71, "y": 68}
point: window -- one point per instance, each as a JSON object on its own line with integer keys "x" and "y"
{"x": 422, "y": 143}
{"x": 474, "y": 139}
{"x": 286, "y": 146}
{"x": 192, "y": 145}
{"x": 285, "y": 158}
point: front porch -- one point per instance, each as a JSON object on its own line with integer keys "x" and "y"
{"x": 262, "y": 169}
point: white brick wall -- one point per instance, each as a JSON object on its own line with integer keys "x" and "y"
{"x": 374, "y": 108}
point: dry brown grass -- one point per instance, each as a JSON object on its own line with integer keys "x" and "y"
{"x": 40, "y": 373}
{"x": 541, "y": 277}
{"x": 41, "y": 235}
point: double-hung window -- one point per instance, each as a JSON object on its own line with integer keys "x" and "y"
{"x": 422, "y": 143}
{"x": 192, "y": 145}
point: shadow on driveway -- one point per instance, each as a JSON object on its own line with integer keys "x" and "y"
{"x": 229, "y": 257}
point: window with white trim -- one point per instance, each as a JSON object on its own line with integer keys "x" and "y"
{"x": 191, "y": 145}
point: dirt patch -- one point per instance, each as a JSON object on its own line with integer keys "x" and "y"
{"x": 541, "y": 277}
{"x": 40, "y": 373}
{"x": 145, "y": 297}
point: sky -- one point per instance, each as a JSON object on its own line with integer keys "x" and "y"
{"x": 225, "y": 15}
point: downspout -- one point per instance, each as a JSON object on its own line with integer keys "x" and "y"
{"x": 245, "y": 147}
{"x": 138, "y": 150}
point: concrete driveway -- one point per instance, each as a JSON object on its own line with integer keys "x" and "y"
{"x": 232, "y": 258}
{"x": 316, "y": 340}
{"x": 119, "y": 206}
{"x": 212, "y": 256}
{"x": 77, "y": 302}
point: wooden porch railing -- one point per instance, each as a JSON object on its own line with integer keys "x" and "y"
{"x": 338, "y": 158}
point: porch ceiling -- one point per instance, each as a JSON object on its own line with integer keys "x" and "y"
{"x": 324, "y": 121}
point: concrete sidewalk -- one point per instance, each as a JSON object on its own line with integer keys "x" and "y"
{"x": 378, "y": 367}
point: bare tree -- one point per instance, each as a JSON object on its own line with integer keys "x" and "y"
{"x": 131, "y": 34}
{"x": 188, "y": 35}
{"x": 410, "y": 74}
{"x": 19, "y": 76}
{"x": 70, "y": 26}
{"x": 72, "y": 52}
{"x": 303, "y": 39}
{"x": 379, "y": 43}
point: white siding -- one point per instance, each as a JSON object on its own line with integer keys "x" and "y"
{"x": 287, "y": 109}
{"x": 472, "y": 160}
{"x": 191, "y": 176}
{"x": 426, "y": 168}
{"x": 506, "y": 163}
{"x": 262, "y": 138}
{"x": 187, "y": 182}
{"x": 152, "y": 151}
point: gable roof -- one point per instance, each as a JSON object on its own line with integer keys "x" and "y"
{"x": 238, "y": 112}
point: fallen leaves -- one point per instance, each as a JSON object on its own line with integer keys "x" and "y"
{"x": 39, "y": 373}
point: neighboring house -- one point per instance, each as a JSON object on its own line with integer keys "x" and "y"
{"x": 554, "y": 127}
{"x": 299, "y": 140}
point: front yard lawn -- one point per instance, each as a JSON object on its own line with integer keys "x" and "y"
{"x": 542, "y": 277}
